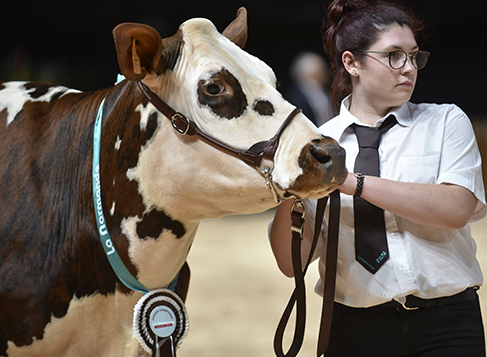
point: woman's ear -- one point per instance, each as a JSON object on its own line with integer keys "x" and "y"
{"x": 350, "y": 63}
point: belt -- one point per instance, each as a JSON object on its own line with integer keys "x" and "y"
{"x": 414, "y": 302}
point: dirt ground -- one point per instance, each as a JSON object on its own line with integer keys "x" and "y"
{"x": 237, "y": 294}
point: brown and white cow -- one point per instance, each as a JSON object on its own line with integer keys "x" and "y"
{"x": 58, "y": 293}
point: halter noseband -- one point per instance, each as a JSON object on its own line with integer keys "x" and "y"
{"x": 253, "y": 156}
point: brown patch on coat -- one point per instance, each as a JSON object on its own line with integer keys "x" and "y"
{"x": 223, "y": 94}
{"x": 263, "y": 107}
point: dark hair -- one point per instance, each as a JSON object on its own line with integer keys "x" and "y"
{"x": 355, "y": 25}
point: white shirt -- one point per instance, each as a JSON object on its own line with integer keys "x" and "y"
{"x": 430, "y": 144}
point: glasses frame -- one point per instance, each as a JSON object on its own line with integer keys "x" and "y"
{"x": 410, "y": 55}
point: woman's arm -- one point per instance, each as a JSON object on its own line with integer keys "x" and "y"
{"x": 281, "y": 237}
{"x": 442, "y": 206}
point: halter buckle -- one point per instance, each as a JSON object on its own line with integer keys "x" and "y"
{"x": 297, "y": 210}
{"x": 176, "y": 119}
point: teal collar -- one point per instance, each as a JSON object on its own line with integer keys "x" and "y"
{"x": 115, "y": 261}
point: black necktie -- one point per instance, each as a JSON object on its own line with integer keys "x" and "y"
{"x": 370, "y": 233}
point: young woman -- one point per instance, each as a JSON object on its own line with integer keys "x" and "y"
{"x": 408, "y": 288}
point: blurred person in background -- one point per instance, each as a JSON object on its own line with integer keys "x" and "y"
{"x": 309, "y": 73}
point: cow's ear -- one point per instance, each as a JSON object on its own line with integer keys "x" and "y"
{"x": 139, "y": 50}
{"x": 237, "y": 31}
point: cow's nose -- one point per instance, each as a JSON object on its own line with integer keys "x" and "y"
{"x": 330, "y": 157}
{"x": 321, "y": 152}
{"x": 325, "y": 150}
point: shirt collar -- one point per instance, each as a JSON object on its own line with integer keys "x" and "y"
{"x": 401, "y": 113}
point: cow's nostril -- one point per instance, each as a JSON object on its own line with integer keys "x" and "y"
{"x": 320, "y": 154}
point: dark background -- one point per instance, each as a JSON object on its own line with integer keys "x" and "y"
{"x": 70, "y": 42}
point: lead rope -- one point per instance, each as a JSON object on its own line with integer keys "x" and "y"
{"x": 298, "y": 296}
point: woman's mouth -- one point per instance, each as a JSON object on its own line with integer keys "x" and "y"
{"x": 406, "y": 84}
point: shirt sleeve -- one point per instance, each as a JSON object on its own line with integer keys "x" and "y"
{"x": 460, "y": 162}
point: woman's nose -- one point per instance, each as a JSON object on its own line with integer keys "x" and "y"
{"x": 408, "y": 66}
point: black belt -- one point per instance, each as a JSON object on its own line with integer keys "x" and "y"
{"x": 414, "y": 302}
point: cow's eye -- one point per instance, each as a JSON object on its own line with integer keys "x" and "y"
{"x": 214, "y": 88}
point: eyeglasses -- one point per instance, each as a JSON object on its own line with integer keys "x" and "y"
{"x": 398, "y": 59}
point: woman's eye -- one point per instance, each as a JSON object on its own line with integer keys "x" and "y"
{"x": 215, "y": 88}
{"x": 394, "y": 55}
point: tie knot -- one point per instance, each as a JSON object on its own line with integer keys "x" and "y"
{"x": 369, "y": 137}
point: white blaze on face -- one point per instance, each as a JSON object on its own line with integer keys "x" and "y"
{"x": 295, "y": 137}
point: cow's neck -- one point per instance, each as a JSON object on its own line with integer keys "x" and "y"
{"x": 153, "y": 214}
{"x": 151, "y": 242}
{"x": 159, "y": 260}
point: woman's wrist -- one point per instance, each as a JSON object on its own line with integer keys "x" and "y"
{"x": 349, "y": 186}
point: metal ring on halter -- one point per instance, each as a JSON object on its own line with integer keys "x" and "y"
{"x": 298, "y": 204}
{"x": 267, "y": 173}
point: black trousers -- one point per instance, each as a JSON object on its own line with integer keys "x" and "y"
{"x": 445, "y": 329}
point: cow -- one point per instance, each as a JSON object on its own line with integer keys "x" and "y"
{"x": 157, "y": 178}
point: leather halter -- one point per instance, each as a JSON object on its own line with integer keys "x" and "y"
{"x": 253, "y": 156}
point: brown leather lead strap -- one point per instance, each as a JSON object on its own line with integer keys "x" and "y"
{"x": 183, "y": 282}
{"x": 330, "y": 273}
{"x": 298, "y": 297}
{"x": 164, "y": 347}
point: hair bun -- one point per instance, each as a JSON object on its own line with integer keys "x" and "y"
{"x": 341, "y": 9}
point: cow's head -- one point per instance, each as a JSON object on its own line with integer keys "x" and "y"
{"x": 231, "y": 96}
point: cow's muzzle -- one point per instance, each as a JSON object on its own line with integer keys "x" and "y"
{"x": 323, "y": 167}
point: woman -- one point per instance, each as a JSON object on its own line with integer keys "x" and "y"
{"x": 417, "y": 295}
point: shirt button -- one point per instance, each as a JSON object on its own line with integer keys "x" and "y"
{"x": 401, "y": 268}
{"x": 392, "y": 236}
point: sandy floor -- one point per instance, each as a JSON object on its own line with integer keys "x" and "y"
{"x": 237, "y": 294}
